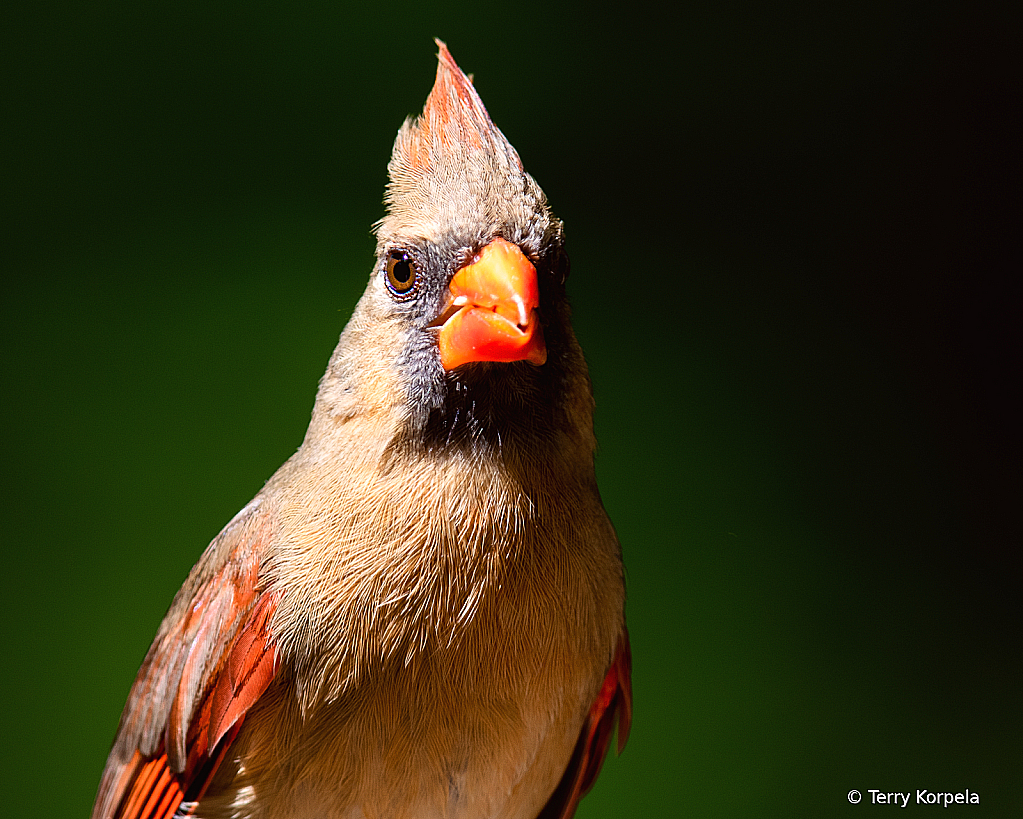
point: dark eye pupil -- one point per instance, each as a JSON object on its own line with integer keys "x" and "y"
{"x": 402, "y": 272}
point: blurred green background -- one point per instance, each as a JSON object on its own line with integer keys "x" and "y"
{"x": 792, "y": 240}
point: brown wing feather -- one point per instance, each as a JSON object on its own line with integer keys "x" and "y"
{"x": 613, "y": 703}
{"x": 210, "y": 661}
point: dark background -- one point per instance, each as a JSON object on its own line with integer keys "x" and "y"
{"x": 793, "y": 229}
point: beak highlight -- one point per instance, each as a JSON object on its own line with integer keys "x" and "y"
{"x": 494, "y": 299}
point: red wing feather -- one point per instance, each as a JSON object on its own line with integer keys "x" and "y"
{"x": 155, "y": 792}
{"x": 613, "y": 703}
{"x": 211, "y": 660}
{"x": 250, "y": 667}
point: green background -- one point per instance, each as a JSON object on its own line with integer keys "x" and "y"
{"x": 791, "y": 233}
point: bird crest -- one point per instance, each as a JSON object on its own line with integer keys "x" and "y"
{"x": 454, "y": 120}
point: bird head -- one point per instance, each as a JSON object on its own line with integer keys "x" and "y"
{"x": 463, "y": 330}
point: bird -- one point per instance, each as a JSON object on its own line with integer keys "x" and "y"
{"x": 422, "y": 612}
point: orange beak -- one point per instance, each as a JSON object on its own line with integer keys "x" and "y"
{"x": 494, "y": 299}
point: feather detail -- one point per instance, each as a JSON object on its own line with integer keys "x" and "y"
{"x": 210, "y": 662}
{"x": 613, "y": 704}
{"x": 250, "y": 668}
{"x": 155, "y": 792}
{"x": 454, "y": 119}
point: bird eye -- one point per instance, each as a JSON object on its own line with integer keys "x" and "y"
{"x": 401, "y": 273}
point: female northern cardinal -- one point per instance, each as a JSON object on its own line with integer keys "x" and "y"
{"x": 422, "y": 613}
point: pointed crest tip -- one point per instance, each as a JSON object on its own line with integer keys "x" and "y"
{"x": 453, "y": 120}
